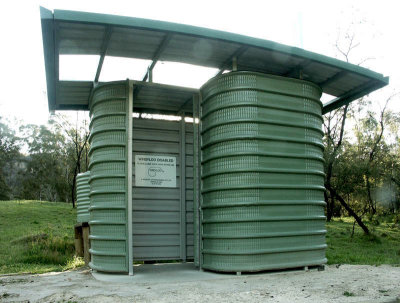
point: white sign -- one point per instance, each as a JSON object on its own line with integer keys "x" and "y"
{"x": 155, "y": 171}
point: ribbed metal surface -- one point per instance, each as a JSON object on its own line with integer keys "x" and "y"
{"x": 108, "y": 210}
{"x": 262, "y": 173}
{"x": 159, "y": 232}
{"x": 82, "y": 197}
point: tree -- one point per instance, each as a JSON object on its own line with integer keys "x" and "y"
{"x": 44, "y": 178}
{"x": 9, "y": 152}
{"x": 373, "y": 150}
{"x": 78, "y": 148}
{"x": 334, "y": 126}
{"x": 357, "y": 171}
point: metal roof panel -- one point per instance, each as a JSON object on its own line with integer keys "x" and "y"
{"x": 70, "y": 32}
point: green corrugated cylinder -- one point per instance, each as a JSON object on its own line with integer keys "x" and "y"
{"x": 82, "y": 197}
{"x": 108, "y": 182}
{"x": 262, "y": 173}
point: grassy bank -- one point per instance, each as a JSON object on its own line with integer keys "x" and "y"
{"x": 36, "y": 237}
{"x": 382, "y": 247}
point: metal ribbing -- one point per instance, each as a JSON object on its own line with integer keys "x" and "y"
{"x": 262, "y": 173}
{"x": 108, "y": 164}
{"x": 82, "y": 197}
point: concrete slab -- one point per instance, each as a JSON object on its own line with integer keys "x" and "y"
{"x": 369, "y": 284}
{"x": 161, "y": 273}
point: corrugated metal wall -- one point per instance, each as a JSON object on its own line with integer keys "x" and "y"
{"x": 159, "y": 228}
{"x": 82, "y": 197}
{"x": 262, "y": 173}
{"x": 108, "y": 162}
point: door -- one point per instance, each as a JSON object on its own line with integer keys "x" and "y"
{"x": 162, "y": 217}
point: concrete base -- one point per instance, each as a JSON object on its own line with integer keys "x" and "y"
{"x": 160, "y": 273}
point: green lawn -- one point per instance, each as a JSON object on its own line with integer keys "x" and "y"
{"x": 383, "y": 247}
{"x": 36, "y": 237}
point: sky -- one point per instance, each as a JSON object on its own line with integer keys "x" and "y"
{"x": 312, "y": 25}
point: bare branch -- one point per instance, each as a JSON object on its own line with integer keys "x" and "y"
{"x": 365, "y": 60}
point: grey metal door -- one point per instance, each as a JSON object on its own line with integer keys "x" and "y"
{"x": 163, "y": 217}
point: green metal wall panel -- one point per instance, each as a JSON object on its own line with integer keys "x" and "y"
{"x": 162, "y": 226}
{"x": 108, "y": 178}
{"x": 82, "y": 197}
{"x": 261, "y": 173}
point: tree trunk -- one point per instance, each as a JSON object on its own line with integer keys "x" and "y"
{"x": 73, "y": 187}
{"x": 349, "y": 210}
{"x": 77, "y": 169}
{"x": 329, "y": 171}
{"x": 370, "y": 200}
{"x": 330, "y": 202}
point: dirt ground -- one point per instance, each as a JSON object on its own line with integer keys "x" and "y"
{"x": 346, "y": 283}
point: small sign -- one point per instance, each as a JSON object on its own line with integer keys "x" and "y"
{"x": 155, "y": 171}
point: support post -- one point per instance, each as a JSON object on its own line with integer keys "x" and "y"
{"x": 129, "y": 177}
{"x": 196, "y": 168}
{"x": 183, "y": 187}
{"x": 234, "y": 64}
{"x": 78, "y": 240}
{"x": 199, "y": 195}
{"x": 86, "y": 243}
{"x": 197, "y": 182}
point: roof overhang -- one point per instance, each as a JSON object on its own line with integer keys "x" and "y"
{"x": 70, "y": 32}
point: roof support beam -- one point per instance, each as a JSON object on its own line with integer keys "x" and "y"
{"x": 297, "y": 71}
{"x": 103, "y": 51}
{"x": 232, "y": 61}
{"x": 181, "y": 109}
{"x": 352, "y": 95}
{"x": 332, "y": 79}
{"x": 156, "y": 56}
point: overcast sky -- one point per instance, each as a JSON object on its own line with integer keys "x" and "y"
{"x": 313, "y": 25}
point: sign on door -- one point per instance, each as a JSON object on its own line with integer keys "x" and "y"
{"x": 155, "y": 171}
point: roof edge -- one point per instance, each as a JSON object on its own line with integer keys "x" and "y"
{"x": 350, "y": 97}
{"x": 47, "y": 22}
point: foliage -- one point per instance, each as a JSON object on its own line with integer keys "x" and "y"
{"x": 78, "y": 148}
{"x": 365, "y": 167}
{"x": 46, "y": 168}
{"x": 9, "y": 151}
{"x": 56, "y": 153}
{"x": 36, "y": 237}
{"x": 348, "y": 294}
{"x": 362, "y": 161}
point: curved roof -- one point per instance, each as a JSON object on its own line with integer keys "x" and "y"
{"x": 70, "y": 32}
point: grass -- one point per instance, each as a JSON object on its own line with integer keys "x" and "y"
{"x": 36, "y": 237}
{"x": 382, "y": 247}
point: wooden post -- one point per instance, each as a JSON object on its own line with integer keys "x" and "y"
{"x": 78, "y": 240}
{"x": 86, "y": 243}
